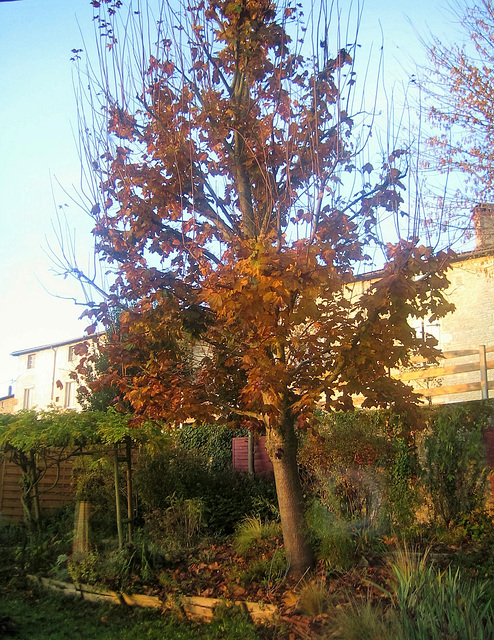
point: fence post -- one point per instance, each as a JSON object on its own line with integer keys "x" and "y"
{"x": 80, "y": 545}
{"x": 484, "y": 387}
{"x": 117, "y": 496}
{"x": 250, "y": 452}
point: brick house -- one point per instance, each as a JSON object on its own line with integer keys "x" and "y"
{"x": 8, "y": 402}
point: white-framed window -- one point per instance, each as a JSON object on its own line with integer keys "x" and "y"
{"x": 71, "y": 353}
{"x": 69, "y": 402}
{"x": 424, "y": 327}
{"x": 28, "y": 398}
{"x": 31, "y": 360}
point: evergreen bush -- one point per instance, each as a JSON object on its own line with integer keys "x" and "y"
{"x": 454, "y": 467}
{"x": 226, "y": 496}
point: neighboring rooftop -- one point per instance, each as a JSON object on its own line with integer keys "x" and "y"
{"x": 53, "y": 345}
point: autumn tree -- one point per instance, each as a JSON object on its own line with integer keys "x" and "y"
{"x": 461, "y": 93}
{"x": 234, "y": 210}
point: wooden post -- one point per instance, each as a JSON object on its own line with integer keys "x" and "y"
{"x": 130, "y": 499}
{"x": 80, "y": 546}
{"x": 35, "y": 488}
{"x": 484, "y": 386}
{"x": 250, "y": 453}
{"x": 117, "y": 498}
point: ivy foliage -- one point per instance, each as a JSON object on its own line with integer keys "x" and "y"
{"x": 213, "y": 442}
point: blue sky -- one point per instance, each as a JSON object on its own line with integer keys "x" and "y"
{"x": 37, "y": 148}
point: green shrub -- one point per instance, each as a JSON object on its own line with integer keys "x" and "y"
{"x": 85, "y": 568}
{"x": 178, "y": 526}
{"x": 226, "y": 496}
{"x": 230, "y": 496}
{"x": 37, "y": 550}
{"x": 454, "y": 468}
{"x": 119, "y": 568}
{"x": 334, "y": 541}
{"x": 362, "y": 466}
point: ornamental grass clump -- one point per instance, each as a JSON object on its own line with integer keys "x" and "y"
{"x": 313, "y": 598}
{"x": 252, "y": 531}
{"x": 180, "y": 525}
{"x": 427, "y": 603}
{"x": 439, "y": 604}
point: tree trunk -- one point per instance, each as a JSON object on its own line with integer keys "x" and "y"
{"x": 281, "y": 444}
{"x": 35, "y": 488}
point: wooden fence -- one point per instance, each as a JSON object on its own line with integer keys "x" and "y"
{"x": 55, "y": 488}
{"x": 433, "y": 382}
{"x": 240, "y": 454}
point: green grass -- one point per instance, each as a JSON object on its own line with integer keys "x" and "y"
{"x": 29, "y": 613}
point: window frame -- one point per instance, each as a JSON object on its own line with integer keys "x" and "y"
{"x": 70, "y": 395}
{"x": 28, "y": 398}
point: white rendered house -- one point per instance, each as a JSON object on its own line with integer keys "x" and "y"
{"x": 45, "y": 375}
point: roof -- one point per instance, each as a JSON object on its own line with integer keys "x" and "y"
{"x": 475, "y": 253}
{"x": 53, "y": 345}
{"x": 9, "y": 397}
{"x": 458, "y": 257}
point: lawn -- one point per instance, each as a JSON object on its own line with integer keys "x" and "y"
{"x": 28, "y": 613}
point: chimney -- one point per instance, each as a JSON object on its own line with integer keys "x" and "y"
{"x": 483, "y": 223}
{"x": 10, "y": 390}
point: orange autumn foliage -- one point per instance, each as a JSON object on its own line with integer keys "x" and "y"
{"x": 236, "y": 238}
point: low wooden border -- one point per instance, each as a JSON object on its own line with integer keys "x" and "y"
{"x": 199, "y": 608}
{"x": 193, "y": 607}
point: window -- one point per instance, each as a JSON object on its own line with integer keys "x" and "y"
{"x": 28, "y": 398}
{"x": 71, "y": 353}
{"x": 69, "y": 395}
{"x": 31, "y": 359}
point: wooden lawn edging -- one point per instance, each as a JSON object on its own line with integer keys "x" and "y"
{"x": 195, "y": 608}
{"x": 200, "y": 608}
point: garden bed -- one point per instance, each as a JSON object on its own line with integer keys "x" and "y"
{"x": 193, "y": 607}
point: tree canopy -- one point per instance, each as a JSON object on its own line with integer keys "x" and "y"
{"x": 462, "y": 88}
{"x": 236, "y": 206}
